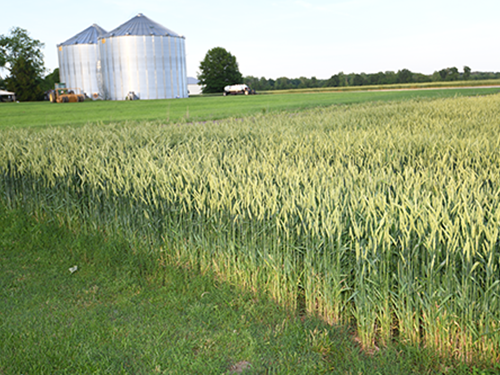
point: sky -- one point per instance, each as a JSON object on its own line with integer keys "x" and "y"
{"x": 294, "y": 38}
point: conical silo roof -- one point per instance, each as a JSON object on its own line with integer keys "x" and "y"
{"x": 140, "y": 25}
{"x": 87, "y": 36}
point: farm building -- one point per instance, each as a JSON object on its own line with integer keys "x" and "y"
{"x": 78, "y": 58}
{"x": 194, "y": 87}
{"x": 139, "y": 59}
{"x": 7, "y": 96}
{"x": 144, "y": 58}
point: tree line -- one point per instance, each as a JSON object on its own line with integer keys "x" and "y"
{"x": 362, "y": 79}
{"x": 220, "y": 68}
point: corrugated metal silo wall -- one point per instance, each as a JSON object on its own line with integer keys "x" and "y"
{"x": 153, "y": 67}
{"x": 77, "y": 67}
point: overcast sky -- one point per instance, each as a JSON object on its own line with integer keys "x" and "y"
{"x": 275, "y": 38}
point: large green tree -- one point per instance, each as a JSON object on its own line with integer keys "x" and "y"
{"x": 218, "y": 69}
{"x": 24, "y": 81}
{"x": 22, "y": 57}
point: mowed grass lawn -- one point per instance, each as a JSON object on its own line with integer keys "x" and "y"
{"x": 199, "y": 108}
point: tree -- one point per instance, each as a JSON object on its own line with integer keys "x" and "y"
{"x": 218, "y": 69}
{"x": 376, "y": 78}
{"x": 466, "y": 75}
{"x": 342, "y": 79}
{"x": 453, "y": 74}
{"x": 333, "y": 81}
{"x": 436, "y": 76}
{"x": 23, "y": 58}
{"x": 263, "y": 84}
{"x": 50, "y": 80}
{"x": 448, "y": 74}
{"x": 390, "y": 77}
{"x": 24, "y": 81}
{"x": 419, "y": 77}
{"x": 357, "y": 79}
{"x": 404, "y": 76}
{"x": 282, "y": 83}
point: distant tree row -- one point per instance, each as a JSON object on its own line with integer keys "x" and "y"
{"x": 220, "y": 68}
{"x": 363, "y": 79}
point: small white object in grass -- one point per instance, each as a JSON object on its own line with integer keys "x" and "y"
{"x": 73, "y": 269}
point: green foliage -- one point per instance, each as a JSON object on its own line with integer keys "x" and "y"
{"x": 20, "y": 44}
{"x": 448, "y": 74}
{"x": 23, "y": 58}
{"x": 217, "y": 70}
{"x": 404, "y": 76}
{"x": 466, "y": 75}
{"x": 362, "y": 79}
{"x": 50, "y": 80}
{"x": 24, "y": 81}
{"x": 484, "y": 75}
{"x": 334, "y": 81}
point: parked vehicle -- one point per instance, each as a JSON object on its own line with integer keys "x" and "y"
{"x": 62, "y": 94}
{"x": 238, "y": 89}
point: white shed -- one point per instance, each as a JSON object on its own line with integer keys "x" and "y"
{"x": 7, "y": 96}
{"x": 194, "y": 87}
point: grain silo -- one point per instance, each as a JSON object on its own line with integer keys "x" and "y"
{"x": 144, "y": 58}
{"x": 78, "y": 58}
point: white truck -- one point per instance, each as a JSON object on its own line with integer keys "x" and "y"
{"x": 238, "y": 89}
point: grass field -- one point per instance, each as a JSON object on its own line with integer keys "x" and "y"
{"x": 199, "y": 108}
{"x": 382, "y": 216}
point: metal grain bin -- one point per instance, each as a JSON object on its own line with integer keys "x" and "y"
{"x": 144, "y": 58}
{"x": 78, "y": 57}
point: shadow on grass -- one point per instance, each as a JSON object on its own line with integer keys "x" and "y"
{"x": 124, "y": 311}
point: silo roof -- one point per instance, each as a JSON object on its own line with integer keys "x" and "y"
{"x": 87, "y": 36}
{"x": 140, "y": 25}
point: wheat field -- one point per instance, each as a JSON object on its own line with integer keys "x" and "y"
{"x": 385, "y": 216}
